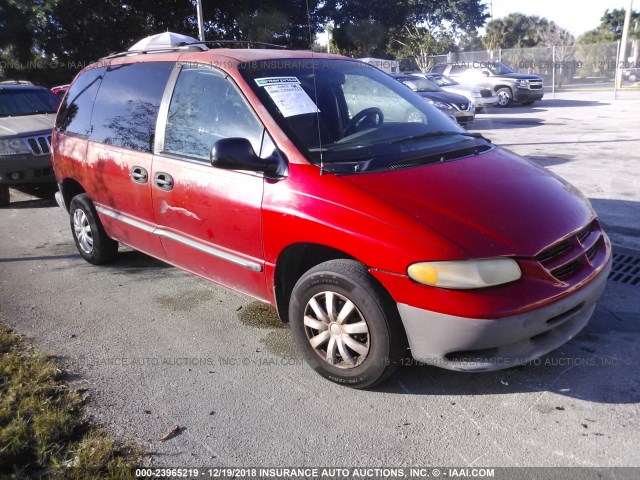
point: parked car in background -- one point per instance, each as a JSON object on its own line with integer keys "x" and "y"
{"x": 326, "y": 188}
{"x": 60, "y": 90}
{"x": 631, "y": 74}
{"x": 480, "y": 97}
{"x": 15, "y": 82}
{"x": 507, "y": 84}
{"x": 27, "y": 116}
{"x": 452, "y": 104}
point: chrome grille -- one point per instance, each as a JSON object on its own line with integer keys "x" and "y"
{"x": 485, "y": 93}
{"x": 535, "y": 85}
{"x": 40, "y": 145}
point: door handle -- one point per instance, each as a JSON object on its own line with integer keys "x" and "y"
{"x": 163, "y": 181}
{"x": 139, "y": 175}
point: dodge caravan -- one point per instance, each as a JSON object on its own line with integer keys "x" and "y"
{"x": 322, "y": 186}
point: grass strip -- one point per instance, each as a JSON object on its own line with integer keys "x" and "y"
{"x": 42, "y": 432}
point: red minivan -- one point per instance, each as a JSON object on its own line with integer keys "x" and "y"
{"x": 320, "y": 185}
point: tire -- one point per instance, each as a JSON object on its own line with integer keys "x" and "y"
{"x": 529, "y": 102}
{"x": 91, "y": 239}
{"x": 633, "y": 77}
{"x": 505, "y": 97}
{"x": 4, "y": 195}
{"x": 358, "y": 342}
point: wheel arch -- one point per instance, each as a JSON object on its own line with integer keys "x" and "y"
{"x": 292, "y": 263}
{"x": 69, "y": 188}
{"x": 503, "y": 85}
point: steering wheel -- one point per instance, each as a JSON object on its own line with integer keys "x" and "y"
{"x": 360, "y": 117}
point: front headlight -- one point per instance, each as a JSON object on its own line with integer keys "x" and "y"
{"x": 12, "y": 146}
{"x": 476, "y": 95}
{"x": 443, "y": 106}
{"x": 523, "y": 83}
{"x": 466, "y": 274}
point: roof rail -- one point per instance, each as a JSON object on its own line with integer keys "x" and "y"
{"x": 240, "y": 42}
{"x": 191, "y": 46}
{"x": 174, "y": 48}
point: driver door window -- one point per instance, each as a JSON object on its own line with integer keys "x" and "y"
{"x": 206, "y": 107}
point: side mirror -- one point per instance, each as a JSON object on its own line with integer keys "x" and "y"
{"x": 238, "y": 154}
{"x": 485, "y": 73}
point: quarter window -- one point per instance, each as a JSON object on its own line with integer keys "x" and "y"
{"x": 206, "y": 107}
{"x": 75, "y": 112}
{"x": 127, "y": 105}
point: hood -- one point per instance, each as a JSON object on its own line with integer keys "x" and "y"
{"x": 521, "y": 76}
{"x": 493, "y": 204}
{"x": 444, "y": 97}
{"x": 26, "y": 125}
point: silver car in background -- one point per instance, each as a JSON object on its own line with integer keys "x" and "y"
{"x": 27, "y": 116}
{"x": 480, "y": 97}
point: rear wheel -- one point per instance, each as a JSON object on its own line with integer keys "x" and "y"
{"x": 4, "y": 195}
{"x": 345, "y": 324}
{"x": 92, "y": 241}
{"x": 505, "y": 97}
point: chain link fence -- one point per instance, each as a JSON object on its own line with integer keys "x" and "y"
{"x": 563, "y": 67}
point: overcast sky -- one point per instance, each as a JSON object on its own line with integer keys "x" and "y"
{"x": 577, "y": 16}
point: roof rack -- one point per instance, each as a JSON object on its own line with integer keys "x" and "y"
{"x": 240, "y": 42}
{"x": 192, "y": 46}
{"x": 174, "y": 48}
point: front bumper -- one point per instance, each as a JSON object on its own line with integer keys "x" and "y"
{"x": 462, "y": 115}
{"x": 526, "y": 95}
{"x": 482, "y": 102}
{"x": 27, "y": 168}
{"x": 468, "y": 344}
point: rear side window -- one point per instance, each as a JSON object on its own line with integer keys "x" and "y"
{"x": 206, "y": 107}
{"x": 127, "y": 105}
{"x": 74, "y": 115}
{"x": 438, "y": 69}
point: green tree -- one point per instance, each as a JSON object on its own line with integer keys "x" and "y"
{"x": 49, "y": 41}
{"x": 514, "y": 31}
{"x": 610, "y": 28}
{"x": 395, "y": 16}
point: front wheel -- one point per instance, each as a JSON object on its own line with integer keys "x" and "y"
{"x": 505, "y": 97}
{"x": 345, "y": 324}
{"x": 92, "y": 241}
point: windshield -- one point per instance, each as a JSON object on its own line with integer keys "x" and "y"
{"x": 27, "y": 101}
{"x": 442, "y": 80}
{"x": 498, "y": 68}
{"x": 346, "y": 111}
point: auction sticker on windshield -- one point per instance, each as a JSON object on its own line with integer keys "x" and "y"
{"x": 288, "y": 95}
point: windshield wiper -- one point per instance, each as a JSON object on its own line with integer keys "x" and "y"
{"x": 439, "y": 133}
